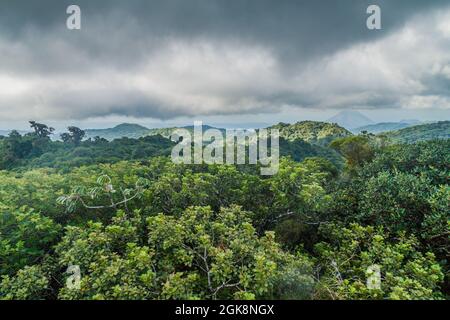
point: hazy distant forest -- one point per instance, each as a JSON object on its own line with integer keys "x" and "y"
{"x": 141, "y": 227}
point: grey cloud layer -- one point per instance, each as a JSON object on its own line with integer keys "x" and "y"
{"x": 164, "y": 59}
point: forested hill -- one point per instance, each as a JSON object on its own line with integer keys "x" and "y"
{"x": 167, "y": 132}
{"x": 384, "y": 127}
{"x": 131, "y": 130}
{"x": 299, "y": 141}
{"x": 314, "y": 132}
{"x": 320, "y": 133}
{"x": 128, "y": 130}
{"x": 30, "y": 151}
{"x": 438, "y": 130}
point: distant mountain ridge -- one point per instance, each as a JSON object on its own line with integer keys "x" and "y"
{"x": 135, "y": 131}
{"x": 167, "y": 132}
{"x": 429, "y": 131}
{"x": 383, "y": 127}
{"x": 7, "y": 132}
{"x": 314, "y": 132}
{"x": 129, "y": 130}
{"x": 350, "y": 119}
{"x": 4, "y": 132}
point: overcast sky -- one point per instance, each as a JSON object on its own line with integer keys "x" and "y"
{"x": 222, "y": 61}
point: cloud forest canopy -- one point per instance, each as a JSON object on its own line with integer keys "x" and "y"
{"x": 140, "y": 227}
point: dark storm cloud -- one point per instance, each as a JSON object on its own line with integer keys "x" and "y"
{"x": 189, "y": 57}
{"x": 296, "y": 28}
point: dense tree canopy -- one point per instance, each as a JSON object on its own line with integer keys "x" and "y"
{"x": 139, "y": 226}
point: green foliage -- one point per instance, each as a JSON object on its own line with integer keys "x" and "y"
{"x": 403, "y": 188}
{"x": 37, "y": 189}
{"x": 74, "y": 135}
{"x": 357, "y": 150}
{"x": 398, "y": 202}
{"x": 112, "y": 262}
{"x": 200, "y": 255}
{"x": 25, "y": 236}
{"x": 435, "y": 227}
{"x": 29, "y": 151}
{"x": 30, "y": 283}
{"x": 300, "y": 150}
{"x": 15, "y": 149}
{"x": 406, "y": 273}
{"x": 41, "y": 130}
{"x": 430, "y": 159}
{"x": 223, "y": 252}
{"x": 104, "y": 190}
{"x": 142, "y": 227}
{"x": 36, "y": 151}
{"x": 321, "y": 133}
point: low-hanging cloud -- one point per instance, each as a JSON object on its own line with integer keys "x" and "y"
{"x": 190, "y": 58}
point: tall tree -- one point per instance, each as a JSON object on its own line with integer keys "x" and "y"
{"x": 74, "y": 135}
{"x": 41, "y": 130}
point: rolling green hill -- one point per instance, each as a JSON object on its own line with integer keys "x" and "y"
{"x": 31, "y": 152}
{"x": 127, "y": 130}
{"x": 383, "y": 127}
{"x": 135, "y": 131}
{"x": 300, "y": 150}
{"x": 438, "y": 130}
{"x": 319, "y": 133}
{"x": 166, "y": 132}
